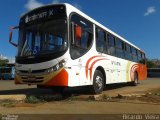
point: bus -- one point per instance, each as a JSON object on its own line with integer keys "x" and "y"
{"x": 60, "y": 46}
{"x": 153, "y": 72}
{"x": 7, "y": 73}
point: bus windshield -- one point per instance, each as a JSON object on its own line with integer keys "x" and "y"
{"x": 43, "y": 38}
{"x": 5, "y": 70}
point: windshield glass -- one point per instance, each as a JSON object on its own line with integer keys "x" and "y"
{"x": 44, "y": 38}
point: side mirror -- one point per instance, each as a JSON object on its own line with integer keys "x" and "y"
{"x": 10, "y": 35}
{"x": 78, "y": 32}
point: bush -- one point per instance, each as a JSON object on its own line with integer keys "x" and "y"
{"x": 32, "y": 99}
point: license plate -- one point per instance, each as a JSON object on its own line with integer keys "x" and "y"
{"x": 31, "y": 78}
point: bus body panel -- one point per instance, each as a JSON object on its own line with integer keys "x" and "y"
{"x": 44, "y": 76}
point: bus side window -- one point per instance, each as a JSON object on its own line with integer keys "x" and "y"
{"x": 100, "y": 41}
{"x": 134, "y": 54}
{"x": 111, "y": 44}
{"x": 143, "y": 58}
{"x": 140, "y": 57}
{"x": 119, "y": 48}
{"x": 128, "y": 54}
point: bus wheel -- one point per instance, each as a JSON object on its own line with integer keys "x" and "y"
{"x": 98, "y": 82}
{"x": 135, "y": 82}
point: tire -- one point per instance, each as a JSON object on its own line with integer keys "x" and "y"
{"x": 98, "y": 82}
{"x": 135, "y": 82}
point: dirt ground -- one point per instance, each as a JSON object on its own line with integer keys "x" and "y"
{"x": 116, "y": 99}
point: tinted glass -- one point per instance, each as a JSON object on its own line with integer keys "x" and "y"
{"x": 80, "y": 46}
{"x": 128, "y": 54}
{"x": 111, "y": 45}
{"x": 119, "y": 44}
{"x": 101, "y": 44}
{"x": 119, "y": 48}
{"x": 43, "y": 39}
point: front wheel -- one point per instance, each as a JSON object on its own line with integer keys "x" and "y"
{"x": 98, "y": 82}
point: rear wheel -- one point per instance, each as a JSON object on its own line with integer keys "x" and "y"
{"x": 135, "y": 82}
{"x": 98, "y": 82}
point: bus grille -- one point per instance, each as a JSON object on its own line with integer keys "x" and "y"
{"x": 33, "y": 80}
{"x": 34, "y": 71}
{"x": 28, "y": 81}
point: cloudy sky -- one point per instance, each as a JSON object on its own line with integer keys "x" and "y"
{"x": 135, "y": 20}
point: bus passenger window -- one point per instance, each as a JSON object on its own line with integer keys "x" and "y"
{"x": 134, "y": 54}
{"x": 119, "y": 48}
{"x": 128, "y": 54}
{"x": 140, "y": 59}
{"x": 82, "y": 36}
{"x": 111, "y": 44}
{"x": 100, "y": 41}
{"x": 143, "y": 58}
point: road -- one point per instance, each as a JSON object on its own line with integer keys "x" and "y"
{"x": 8, "y": 87}
{"x": 83, "y": 107}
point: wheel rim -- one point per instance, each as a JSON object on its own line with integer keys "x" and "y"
{"x": 99, "y": 82}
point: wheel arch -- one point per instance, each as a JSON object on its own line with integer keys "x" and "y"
{"x": 136, "y": 72}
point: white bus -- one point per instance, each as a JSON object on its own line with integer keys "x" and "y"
{"x": 60, "y": 46}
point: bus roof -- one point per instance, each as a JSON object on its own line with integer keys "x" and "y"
{"x": 71, "y": 8}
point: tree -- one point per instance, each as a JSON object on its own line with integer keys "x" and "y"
{"x": 3, "y": 62}
{"x": 151, "y": 64}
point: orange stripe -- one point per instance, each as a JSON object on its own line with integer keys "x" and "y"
{"x": 93, "y": 65}
{"x": 61, "y": 79}
{"x": 142, "y": 73}
{"x": 87, "y": 64}
{"x": 133, "y": 68}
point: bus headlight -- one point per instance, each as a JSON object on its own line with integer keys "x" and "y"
{"x": 62, "y": 63}
{"x": 56, "y": 67}
{"x": 50, "y": 70}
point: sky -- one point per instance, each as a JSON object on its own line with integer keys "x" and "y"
{"x": 138, "y": 21}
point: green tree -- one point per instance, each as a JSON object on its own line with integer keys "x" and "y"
{"x": 3, "y": 62}
{"x": 150, "y": 64}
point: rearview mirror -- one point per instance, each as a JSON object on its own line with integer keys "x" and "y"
{"x": 10, "y": 35}
{"x": 78, "y": 32}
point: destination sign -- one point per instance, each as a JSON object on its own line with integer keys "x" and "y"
{"x": 44, "y": 13}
